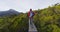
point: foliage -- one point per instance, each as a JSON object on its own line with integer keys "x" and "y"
{"x": 46, "y": 20}
{"x": 16, "y": 24}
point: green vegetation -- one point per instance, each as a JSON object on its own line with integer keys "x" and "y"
{"x": 46, "y": 20}
{"x": 14, "y": 23}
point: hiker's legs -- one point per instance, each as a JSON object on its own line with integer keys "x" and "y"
{"x": 31, "y": 20}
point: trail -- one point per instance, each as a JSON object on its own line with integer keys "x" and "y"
{"x": 32, "y": 27}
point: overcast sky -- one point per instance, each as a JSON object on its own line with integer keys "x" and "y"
{"x": 25, "y": 5}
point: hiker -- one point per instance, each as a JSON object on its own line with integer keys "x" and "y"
{"x": 30, "y": 15}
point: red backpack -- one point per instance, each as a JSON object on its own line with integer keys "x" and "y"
{"x": 29, "y": 14}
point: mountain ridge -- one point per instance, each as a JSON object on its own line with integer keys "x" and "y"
{"x": 9, "y": 12}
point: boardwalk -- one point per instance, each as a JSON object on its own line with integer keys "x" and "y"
{"x": 32, "y": 27}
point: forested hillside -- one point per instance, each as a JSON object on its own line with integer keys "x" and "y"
{"x": 14, "y": 23}
{"x": 46, "y": 20}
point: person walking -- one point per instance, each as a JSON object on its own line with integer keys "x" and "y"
{"x": 30, "y": 15}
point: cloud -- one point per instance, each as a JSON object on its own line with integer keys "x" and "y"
{"x": 25, "y": 5}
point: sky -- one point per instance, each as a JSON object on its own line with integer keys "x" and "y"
{"x": 25, "y": 5}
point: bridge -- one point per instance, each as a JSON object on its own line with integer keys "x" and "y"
{"x": 32, "y": 27}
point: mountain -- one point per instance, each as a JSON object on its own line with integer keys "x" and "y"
{"x": 8, "y": 12}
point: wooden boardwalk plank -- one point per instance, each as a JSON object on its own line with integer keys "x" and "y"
{"x": 32, "y": 27}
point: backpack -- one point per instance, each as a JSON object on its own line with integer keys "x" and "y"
{"x": 31, "y": 14}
